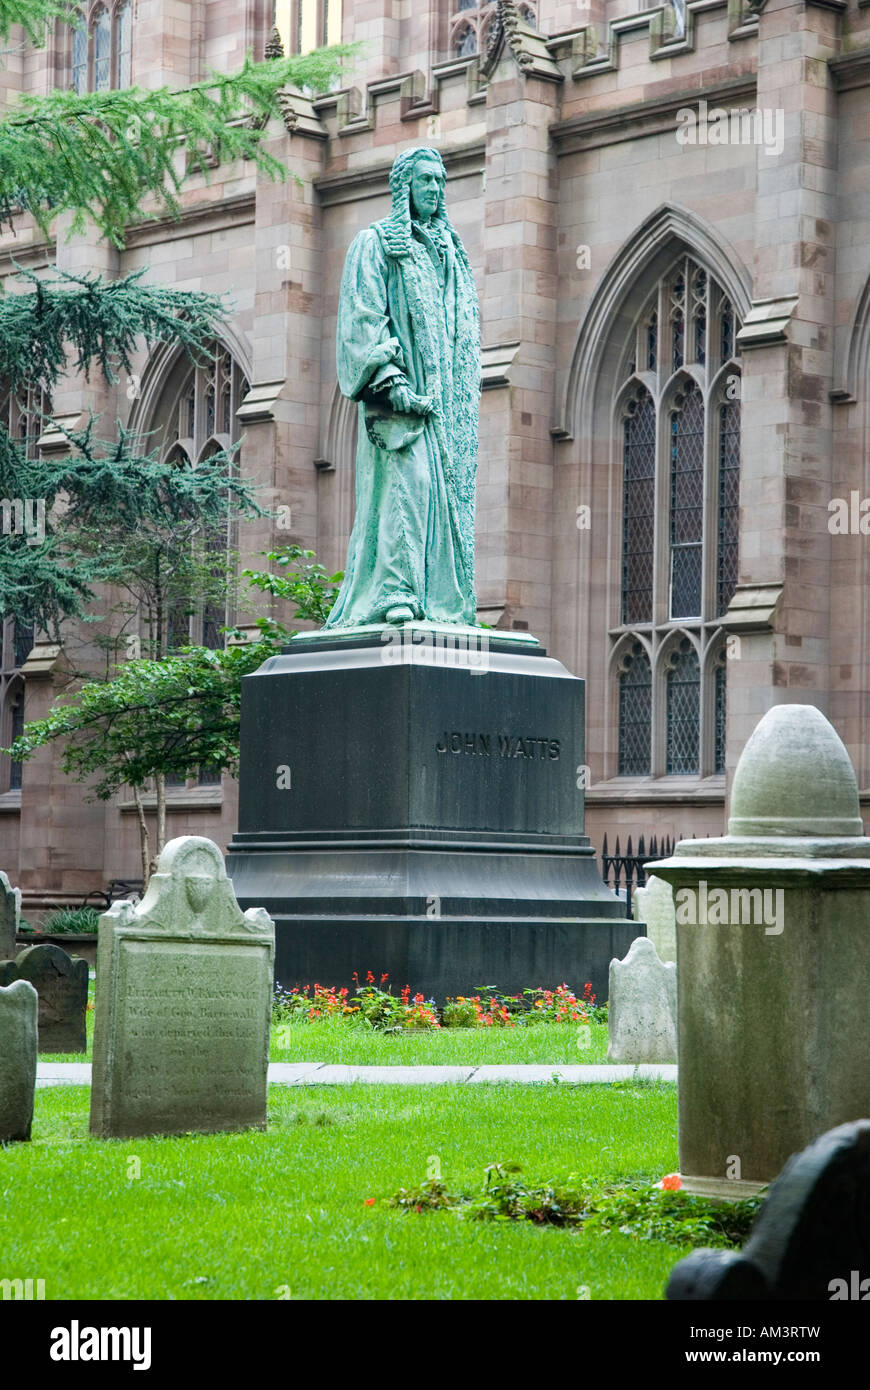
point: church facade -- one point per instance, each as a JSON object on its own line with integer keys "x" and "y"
{"x": 667, "y": 211}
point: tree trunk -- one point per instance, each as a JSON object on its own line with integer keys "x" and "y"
{"x": 144, "y": 847}
{"x": 160, "y": 784}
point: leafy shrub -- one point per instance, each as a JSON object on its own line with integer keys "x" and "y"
{"x": 375, "y": 1004}
{"x": 649, "y": 1213}
{"x": 370, "y": 1005}
{"x": 560, "y": 1005}
{"x": 634, "y": 1207}
{"x": 475, "y": 1012}
{"x": 317, "y": 1001}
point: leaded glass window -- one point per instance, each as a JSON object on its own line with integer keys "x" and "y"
{"x": 678, "y": 413}
{"x": 201, "y": 421}
{"x": 101, "y": 49}
{"x": 678, "y": 325}
{"x": 635, "y": 713}
{"x": 125, "y": 44}
{"x": 719, "y": 754}
{"x": 683, "y": 709}
{"x": 729, "y": 508}
{"x": 687, "y": 504}
{"x": 198, "y": 418}
{"x": 699, "y": 317}
{"x": 652, "y": 342}
{"x": 80, "y": 60}
{"x": 304, "y": 25}
{"x": 638, "y": 507}
{"x": 469, "y": 25}
{"x": 16, "y": 729}
{"x": 16, "y": 640}
{"x": 466, "y": 42}
{"x": 727, "y": 330}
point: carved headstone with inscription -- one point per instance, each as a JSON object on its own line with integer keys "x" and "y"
{"x": 184, "y": 988}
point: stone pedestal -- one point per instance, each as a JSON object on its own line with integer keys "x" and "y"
{"x": 773, "y": 952}
{"x": 409, "y": 804}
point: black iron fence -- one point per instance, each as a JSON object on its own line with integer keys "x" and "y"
{"x": 624, "y": 871}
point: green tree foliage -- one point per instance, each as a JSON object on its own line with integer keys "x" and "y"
{"x": 99, "y": 155}
{"x": 157, "y": 718}
{"x": 120, "y": 516}
{"x": 299, "y": 580}
{"x": 34, "y": 16}
{"x": 100, "y": 484}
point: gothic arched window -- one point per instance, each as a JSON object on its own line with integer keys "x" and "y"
{"x": 196, "y": 418}
{"x": 638, "y": 508}
{"x": 678, "y": 414}
{"x": 16, "y": 640}
{"x": 683, "y": 708}
{"x": 635, "y": 712}
{"x": 200, "y": 419}
{"x": 101, "y": 48}
{"x": 308, "y": 24}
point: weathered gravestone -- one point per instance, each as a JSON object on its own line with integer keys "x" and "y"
{"x": 654, "y": 906}
{"x": 811, "y": 1239}
{"x": 62, "y": 985}
{"x": 10, "y": 909}
{"x": 18, "y": 1008}
{"x": 642, "y": 1007}
{"x": 183, "y": 1004}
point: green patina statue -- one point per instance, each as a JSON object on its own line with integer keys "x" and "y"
{"x": 409, "y": 353}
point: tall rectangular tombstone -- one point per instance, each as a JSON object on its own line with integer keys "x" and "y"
{"x": 183, "y": 1004}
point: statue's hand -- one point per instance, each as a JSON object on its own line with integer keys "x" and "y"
{"x": 407, "y": 402}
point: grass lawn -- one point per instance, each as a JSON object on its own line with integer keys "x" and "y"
{"x": 246, "y": 1216}
{"x": 355, "y": 1044}
{"x": 334, "y": 1040}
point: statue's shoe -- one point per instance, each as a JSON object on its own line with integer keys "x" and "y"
{"x": 399, "y": 614}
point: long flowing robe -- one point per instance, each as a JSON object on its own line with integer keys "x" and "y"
{"x": 413, "y": 320}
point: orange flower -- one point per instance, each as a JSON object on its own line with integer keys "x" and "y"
{"x": 370, "y": 1201}
{"x": 672, "y": 1183}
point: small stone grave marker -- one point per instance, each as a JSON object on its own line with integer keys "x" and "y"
{"x": 642, "y": 1009}
{"x": 183, "y": 1004}
{"x": 654, "y": 905}
{"x": 18, "y": 1012}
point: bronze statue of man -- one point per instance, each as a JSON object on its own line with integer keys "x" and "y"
{"x": 408, "y": 351}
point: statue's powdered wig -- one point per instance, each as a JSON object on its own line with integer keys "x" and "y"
{"x": 396, "y": 228}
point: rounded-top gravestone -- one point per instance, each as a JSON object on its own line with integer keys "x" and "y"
{"x": 61, "y": 982}
{"x": 18, "y": 1006}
